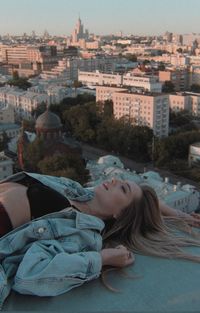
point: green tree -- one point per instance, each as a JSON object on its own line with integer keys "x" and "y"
{"x": 33, "y": 153}
{"x": 15, "y": 75}
{"x": 4, "y": 141}
{"x": 131, "y": 57}
{"x": 20, "y": 82}
{"x": 179, "y": 50}
{"x": 82, "y": 120}
{"x": 175, "y": 147}
{"x": 195, "y": 88}
{"x": 77, "y": 84}
{"x": 146, "y": 62}
{"x": 108, "y": 109}
{"x": 29, "y": 125}
{"x": 168, "y": 86}
{"x": 69, "y": 165}
{"x": 41, "y": 108}
{"x": 161, "y": 66}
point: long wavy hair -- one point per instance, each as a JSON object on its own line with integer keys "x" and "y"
{"x": 142, "y": 229}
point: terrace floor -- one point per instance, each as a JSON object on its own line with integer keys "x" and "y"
{"x": 163, "y": 286}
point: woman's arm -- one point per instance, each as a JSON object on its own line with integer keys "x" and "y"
{"x": 193, "y": 219}
{"x": 119, "y": 256}
{"x": 45, "y": 270}
{"x": 166, "y": 210}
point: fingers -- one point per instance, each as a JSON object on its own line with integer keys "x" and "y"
{"x": 130, "y": 258}
{"x": 120, "y": 246}
{"x": 195, "y": 220}
{"x": 195, "y": 215}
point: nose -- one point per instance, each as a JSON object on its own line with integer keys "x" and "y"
{"x": 115, "y": 181}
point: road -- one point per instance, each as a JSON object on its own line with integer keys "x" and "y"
{"x": 93, "y": 153}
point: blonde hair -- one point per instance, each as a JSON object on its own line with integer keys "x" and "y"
{"x": 142, "y": 229}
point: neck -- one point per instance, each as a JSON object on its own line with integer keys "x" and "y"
{"x": 90, "y": 207}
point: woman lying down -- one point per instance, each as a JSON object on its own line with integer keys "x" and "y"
{"x": 56, "y": 235}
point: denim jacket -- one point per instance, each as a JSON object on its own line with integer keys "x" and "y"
{"x": 51, "y": 255}
{"x": 54, "y": 253}
{"x": 67, "y": 187}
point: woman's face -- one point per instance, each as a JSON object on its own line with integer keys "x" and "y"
{"x": 115, "y": 195}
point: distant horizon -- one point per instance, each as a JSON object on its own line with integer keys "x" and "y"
{"x": 140, "y": 18}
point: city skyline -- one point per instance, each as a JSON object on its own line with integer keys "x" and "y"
{"x": 146, "y": 17}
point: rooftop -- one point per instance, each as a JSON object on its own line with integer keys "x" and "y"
{"x": 160, "y": 285}
{"x": 163, "y": 286}
{"x": 8, "y": 126}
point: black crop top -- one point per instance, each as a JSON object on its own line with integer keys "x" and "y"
{"x": 43, "y": 199}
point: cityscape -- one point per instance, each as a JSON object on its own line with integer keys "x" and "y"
{"x": 92, "y": 91}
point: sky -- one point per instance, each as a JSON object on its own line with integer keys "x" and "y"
{"x": 138, "y": 17}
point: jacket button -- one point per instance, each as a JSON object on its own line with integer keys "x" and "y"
{"x": 41, "y": 230}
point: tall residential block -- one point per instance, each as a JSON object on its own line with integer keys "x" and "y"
{"x": 143, "y": 109}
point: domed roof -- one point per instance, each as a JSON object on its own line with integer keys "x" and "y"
{"x": 48, "y": 120}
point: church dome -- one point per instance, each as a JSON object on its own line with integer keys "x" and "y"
{"x": 48, "y": 120}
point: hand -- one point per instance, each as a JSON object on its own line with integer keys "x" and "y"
{"x": 195, "y": 219}
{"x": 119, "y": 256}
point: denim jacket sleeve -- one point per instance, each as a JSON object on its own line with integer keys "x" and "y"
{"x": 44, "y": 272}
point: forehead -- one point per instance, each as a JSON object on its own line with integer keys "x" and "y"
{"x": 135, "y": 189}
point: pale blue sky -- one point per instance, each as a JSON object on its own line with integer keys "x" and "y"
{"x": 100, "y": 16}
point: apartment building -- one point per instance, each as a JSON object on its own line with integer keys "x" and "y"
{"x": 179, "y": 77}
{"x": 185, "y": 101}
{"x": 145, "y": 82}
{"x": 23, "y": 102}
{"x": 194, "y": 60}
{"x": 29, "y": 60}
{"x": 69, "y": 67}
{"x": 97, "y": 78}
{"x": 14, "y": 54}
{"x": 144, "y": 109}
{"x": 179, "y": 101}
{"x": 6, "y": 114}
{"x": 104, "y": 93}
{"x": 150, "y": 110}
{"x": 194, "y": 75}
{"x": 194, "y": 103}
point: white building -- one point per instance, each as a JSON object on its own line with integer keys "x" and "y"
{"x": 6, "y": 166}
{"x": 146, "y": 82}
{"x": 10, "y": 129}
{"x": 97, "y": 78}
{"x": 6, "y": 113}
{"x": 194, "y": 154}
{"x": 23, "y": 102}
{"x": 55, "y": 92}
{"x": 182, "y": 197}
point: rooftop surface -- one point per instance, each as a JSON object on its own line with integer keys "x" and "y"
{"x": 160, "y": 285}
{"x": 163, "y": 286}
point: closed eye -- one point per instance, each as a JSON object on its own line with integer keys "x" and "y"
{"x": 123, "y": 189}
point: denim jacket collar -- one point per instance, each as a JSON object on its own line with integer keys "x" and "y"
{"x": 68, "y": 187}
